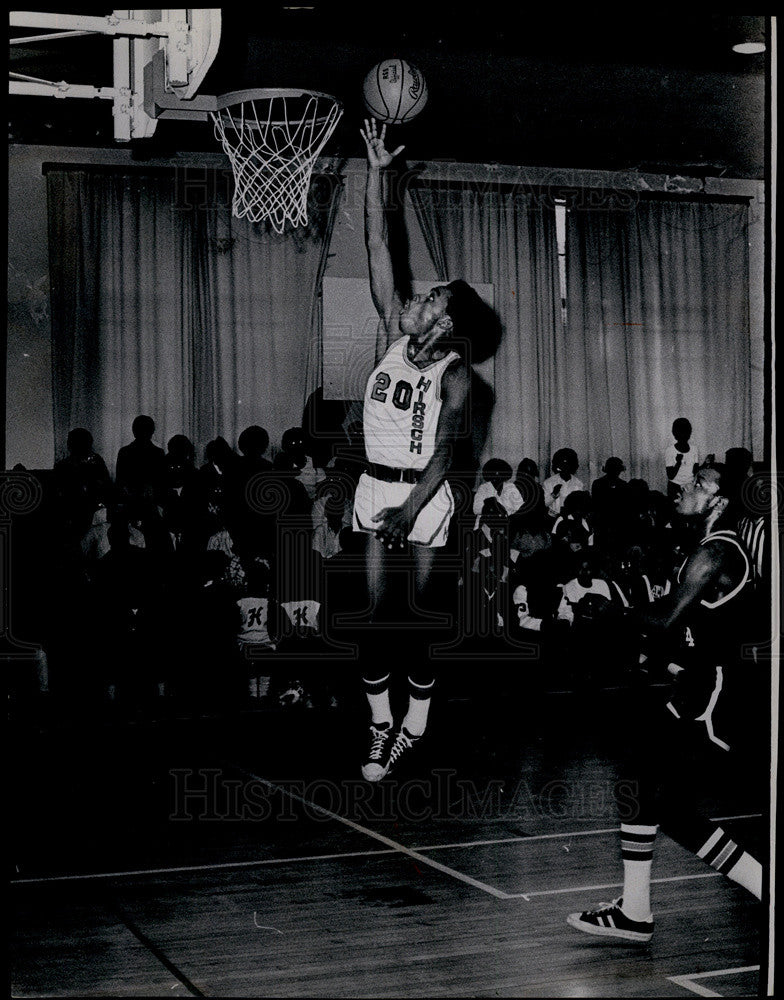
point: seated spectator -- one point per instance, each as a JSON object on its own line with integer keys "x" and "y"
{"x": 659, "y": 520}
{"x": 586, "y": 596}
{"x": 127, "y": 605}
{"x": 252, "y": 527}
{"x": 81, "y": 481}
{"x": 95, "y": 541}
{"x": 141, "y": 465}
{"x": 132, "y": 515}
{"x": 253, "y": 443}
{"x": 638, "y": 521}
{"x": 629, "y": 571}
{"x": 180, "y": 462}
{"x": 572, "y": 531}
{"x": 527, "y": 544}
{"x": 525, "y": 620}
{"x": 221, "y": 540}
{"x": 603, "y": 488}
{"x": 215, "y": 475}
{"x": 532, "y": 513}
{"x": 293, "y": 457}
{"x": 607, "y": 498}
{"x": 181, "y": 477}
{"x": 486, "y": 594}
{"x": 562, "y": 482}
{"x": 656, "y": 576}
{"x": 332, "y": 510}
{"x": 532, "y": 562}
{"x": 254, "y": 642}
{"x": 497, "y": 485}
{"x": 292, "y": 501}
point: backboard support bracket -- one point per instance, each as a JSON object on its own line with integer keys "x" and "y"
{"x": 182, "y": 41}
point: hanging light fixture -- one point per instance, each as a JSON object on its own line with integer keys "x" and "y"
{"x": 749, "y": 35}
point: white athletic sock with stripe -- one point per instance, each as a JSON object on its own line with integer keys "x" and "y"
{"x": 415, "y": 721}
{"x": 723, "y": 854}
{"x": 378, "y": 698}
{"x": 637, "y": 854}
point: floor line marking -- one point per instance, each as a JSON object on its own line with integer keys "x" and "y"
{"x": 400, "y": 848}
{"x": 223, "y": 866}
{"x": 181, "y": 869}
{"x": 687, "y": 982}
{"x": 720, "y": 819}
{"x": 258, "y": 862}
{"x": 155, "y": 951}
{"x": 519, "y": 840}
{"x": 611, "y": 885}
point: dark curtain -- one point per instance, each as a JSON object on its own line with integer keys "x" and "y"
{"x": 657, "y": 328}
{"x": 172, "y": 307}
{"x": 506, "y": 237}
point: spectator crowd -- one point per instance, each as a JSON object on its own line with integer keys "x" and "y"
{"x": 225, "y": 581}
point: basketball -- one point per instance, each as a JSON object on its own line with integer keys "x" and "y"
{"x": 394, "y": 91}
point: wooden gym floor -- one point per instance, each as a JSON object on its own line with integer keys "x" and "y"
{"x": 236, "y": 854}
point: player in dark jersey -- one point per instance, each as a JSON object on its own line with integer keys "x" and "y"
{"x": 415, "y": 410}
{"x": 696, "y": 633}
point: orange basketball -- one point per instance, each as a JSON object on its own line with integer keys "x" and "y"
{"x": 394, "y": 91}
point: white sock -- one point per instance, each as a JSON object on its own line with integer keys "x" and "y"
{"x": 723, "y": 854}
{"x": 637, "y": 853}
{"x": 747, "y": 871}
{"x": 415, "y": 721}
{"x": 637, "y": 889}
{"x": 377, "y": 693}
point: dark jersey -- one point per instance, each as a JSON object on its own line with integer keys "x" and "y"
{"x": 710, "y": 644}
{"x": 712, "y": 632}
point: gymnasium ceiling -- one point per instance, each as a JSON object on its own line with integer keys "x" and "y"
{"x": 658, "y": 93}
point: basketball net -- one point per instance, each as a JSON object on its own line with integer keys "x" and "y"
{"x": 272, "y": 139}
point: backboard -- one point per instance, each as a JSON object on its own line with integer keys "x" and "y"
{"x": 189, "y": 39}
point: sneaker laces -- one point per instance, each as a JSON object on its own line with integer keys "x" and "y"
{"x": 401, "y": 744}
{"x": 380, "y": 736}
{"x": 604, "y": 907}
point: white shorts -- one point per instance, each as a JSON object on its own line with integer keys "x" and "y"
{"x": 432, "y": 524}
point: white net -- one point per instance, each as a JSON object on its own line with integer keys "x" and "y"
{"x": 272, "y": 140}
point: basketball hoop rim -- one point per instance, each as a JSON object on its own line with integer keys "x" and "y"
{"x": 224, "y": 102}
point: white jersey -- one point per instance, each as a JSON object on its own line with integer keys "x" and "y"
{"x": 689, "y": 459}
{"x": 302, "y": 615}
{"x": 574, "y": 592}
{"x": 402, "y": 406}
{"x": 253, "y": 628}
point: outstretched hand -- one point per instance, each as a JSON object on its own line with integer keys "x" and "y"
{"x": 377, "y": 153}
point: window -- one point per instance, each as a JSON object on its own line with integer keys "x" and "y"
{"x": 560, "y": 236}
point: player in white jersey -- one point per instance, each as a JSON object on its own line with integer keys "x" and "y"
{"x": 415, "y": 410}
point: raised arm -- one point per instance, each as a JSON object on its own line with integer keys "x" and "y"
{"x": 382, "y": 285}
{"x": 395, "y": 523}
